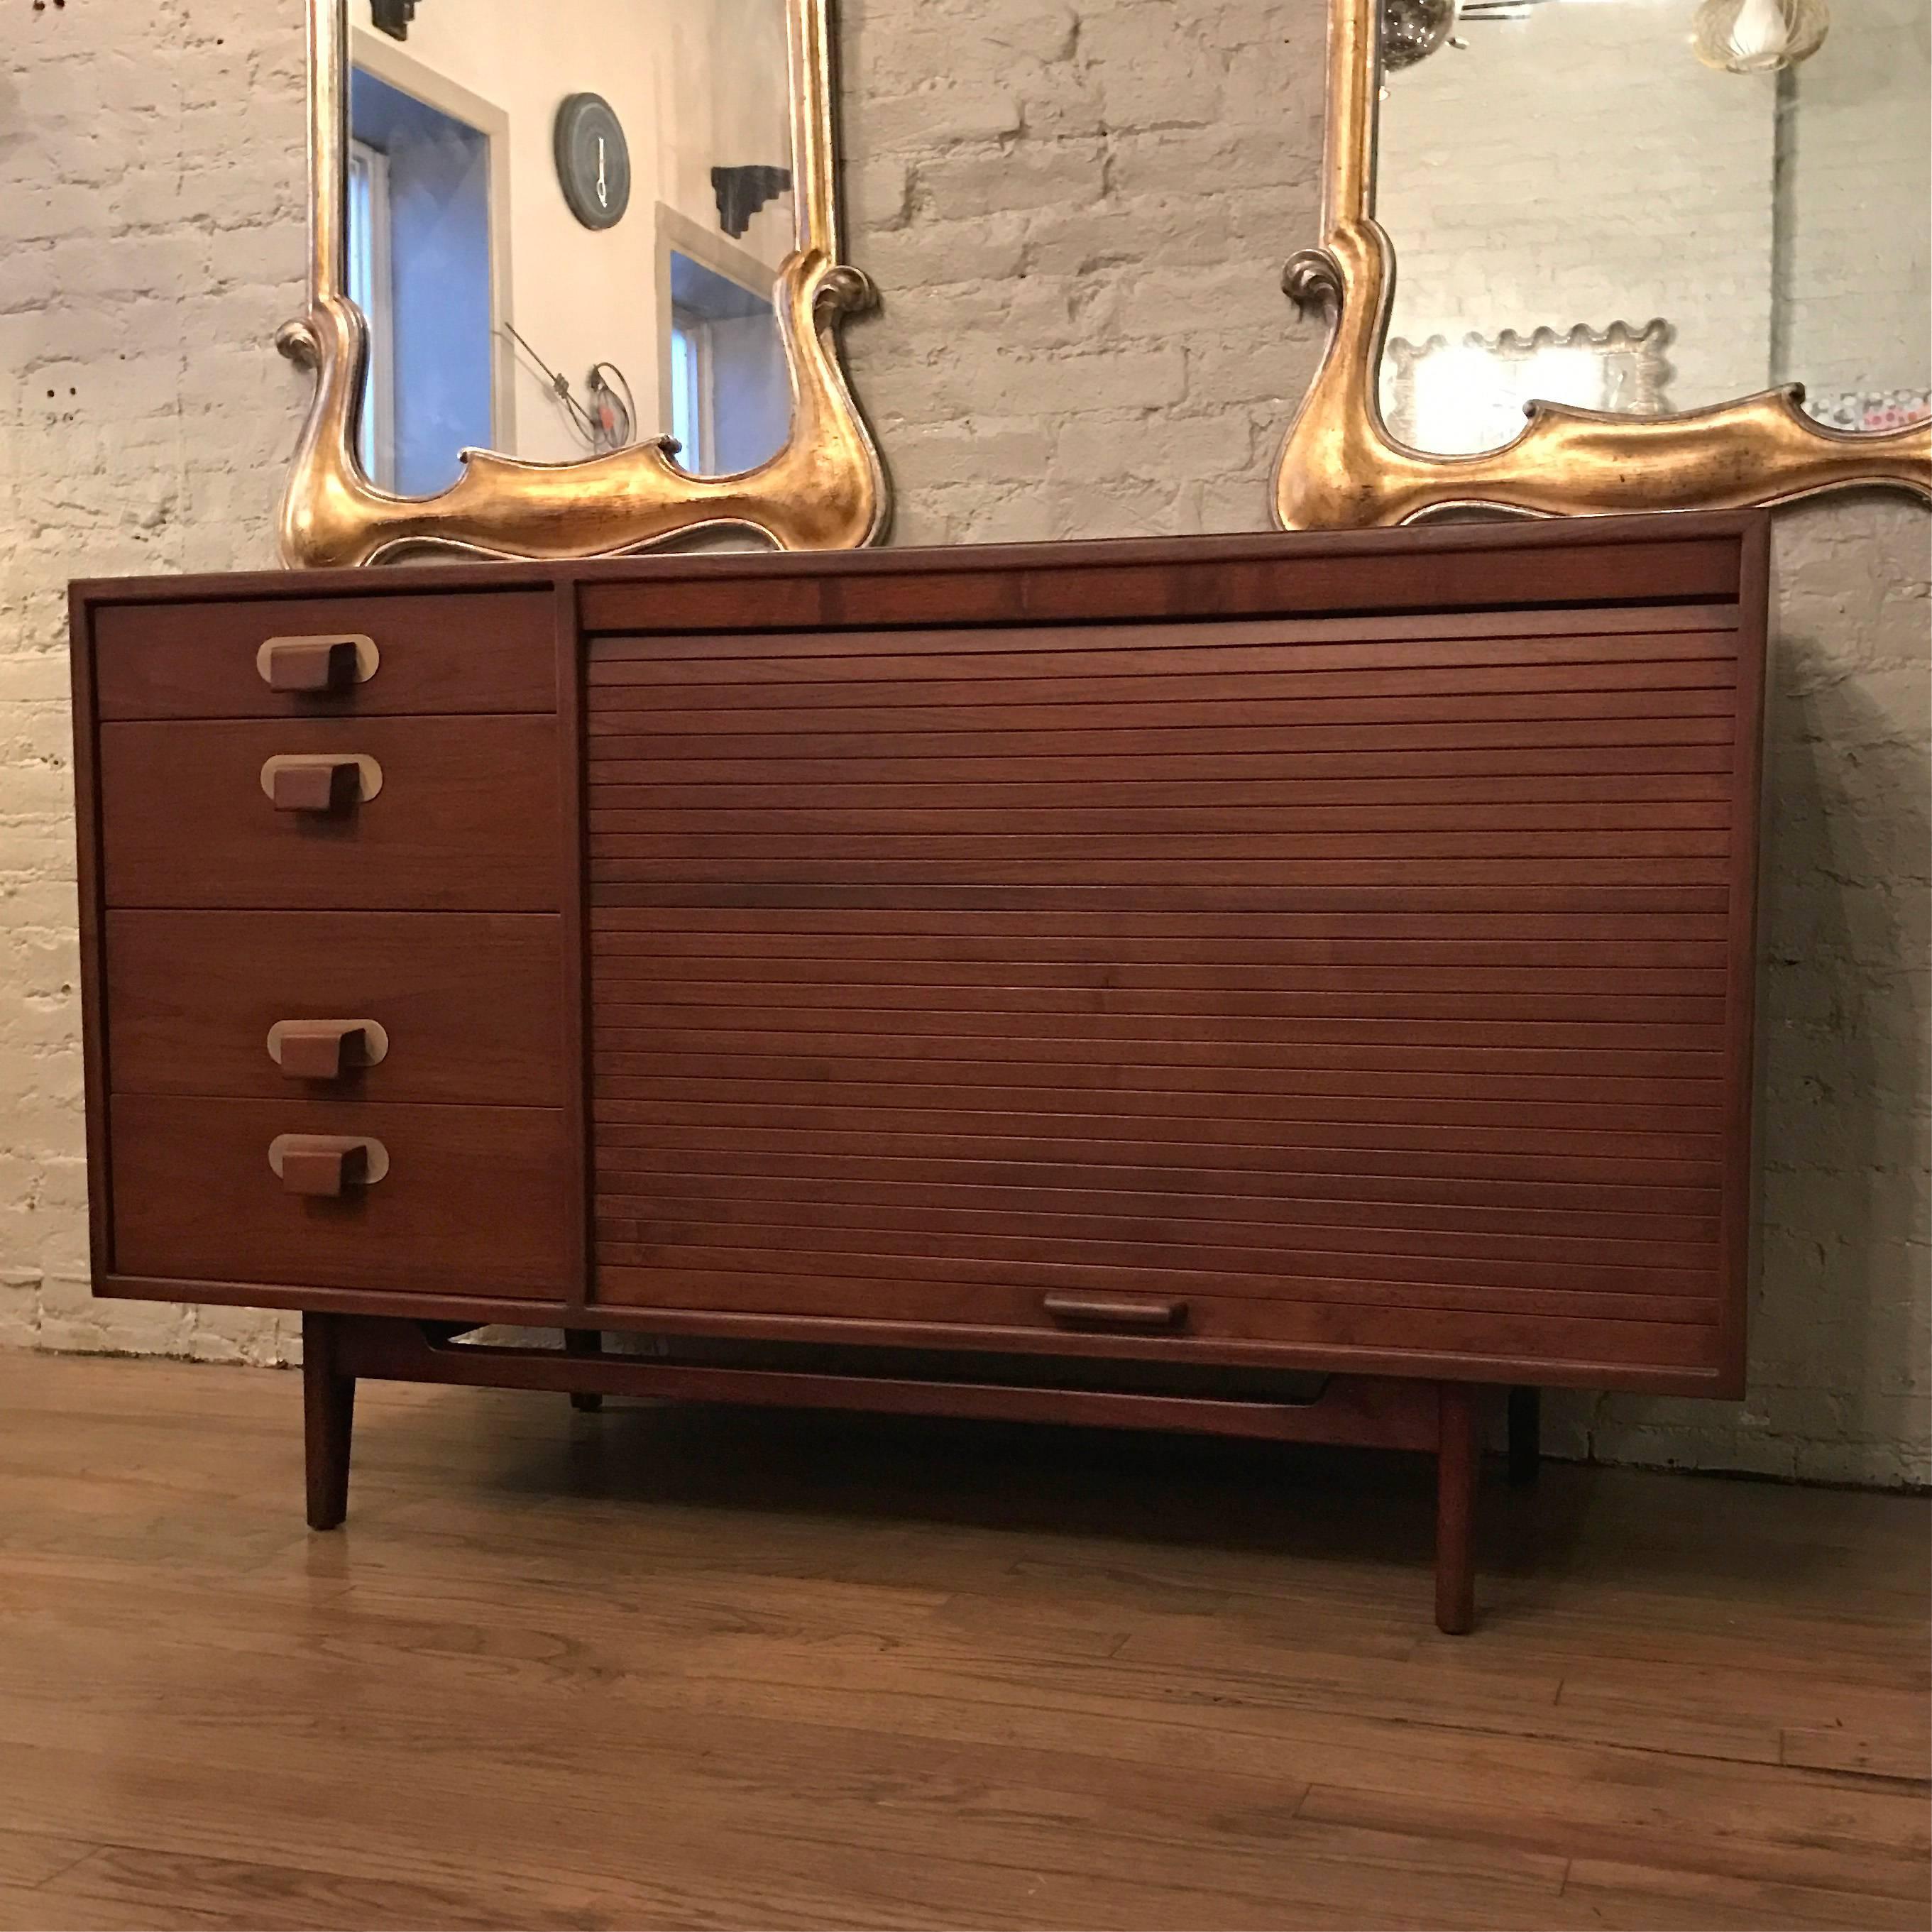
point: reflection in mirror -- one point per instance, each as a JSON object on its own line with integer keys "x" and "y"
{"x": 564, "y": 225}
{"x": 1636, "y": 205}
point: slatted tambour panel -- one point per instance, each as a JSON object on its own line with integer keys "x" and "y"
{"x": 1350, "y": 984}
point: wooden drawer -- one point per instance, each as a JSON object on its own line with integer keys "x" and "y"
{"x": 470, "y": 1005}
{"x": 475, "y": 1201}
{"x": 481, "y": 651}
{"x": 466, "y": 818}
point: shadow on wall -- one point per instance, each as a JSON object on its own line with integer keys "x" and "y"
{"x": 1838, "y": 1379}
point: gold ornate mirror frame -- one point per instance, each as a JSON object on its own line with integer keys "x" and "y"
{"x": 824, "y": 489}
{"x": 1340, "y": 467}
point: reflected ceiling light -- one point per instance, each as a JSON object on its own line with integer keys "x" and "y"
{"x": 1759, "y": 36}
{"x": 1413, "y": 29}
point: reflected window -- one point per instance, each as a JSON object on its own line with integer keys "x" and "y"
{"x": 730, "y": 395}
{"x": 1458, "y": 398}
{"x": 419, "y": 266}
{"x": 506, "y": 313}
{"x": 368, "y": 286}
{"x": 691, "y": 389}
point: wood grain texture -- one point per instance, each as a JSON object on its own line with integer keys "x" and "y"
{"x": 473, "y": 1003}
{"x": 329, "y": 1417}
{"x": 438, "y": 654}
{"x": 467, "y": 818}
{"x": 567, "y": 659}
{"x": 92, "y": 909}
{"x": 1469, "y": 568}
{"x": 884, "y": 1673}
{"x": 1548, "y": 546}
{"x": 1341, "y": 936}
{"x": 1102, "y": 647}
{"x": 475, "y": 1197}
{"x": 1385, "y": 1412}
{"x": 1458, "y": 1467}
{"x": 932, "y": 984}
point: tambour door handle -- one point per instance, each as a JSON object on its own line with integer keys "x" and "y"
{"x": 1114, "y": 1311}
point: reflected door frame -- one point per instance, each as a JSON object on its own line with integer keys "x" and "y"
{"x": 677, "y": 233}
{"x": 369, "y": 282}
{"x": 376, "y": 54}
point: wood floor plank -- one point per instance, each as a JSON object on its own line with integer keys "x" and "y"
{"x": 268, "y": 1895}
{"x": 31, "y": 1857}
{"x": 30, "y": 1909}
{"x": 1898, "y": 1748}
{"x": 1698, "y": 1847}
{"x": 1645, "y": 1896}
{"x": 687, "y": 1667}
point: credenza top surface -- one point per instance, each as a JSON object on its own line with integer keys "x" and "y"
{"x": 1526, "y": 559}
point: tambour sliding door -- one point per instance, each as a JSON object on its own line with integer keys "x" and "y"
{"x": 1314, "y": 989}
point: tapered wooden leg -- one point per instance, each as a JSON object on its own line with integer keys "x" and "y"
{"x": 1458, "y": 1461}
{"x": 584, "y": 1342}
{"x": 1526, "y": 1434}
{"x": 328, "y": 1418}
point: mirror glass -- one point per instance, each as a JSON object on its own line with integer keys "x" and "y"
{"x": 564, "y": 225}
{"x": 1650, "y": 206}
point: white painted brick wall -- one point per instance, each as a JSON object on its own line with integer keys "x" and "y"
{"x": 1860, "y": 187}
{"x": 151, "y": 209}
{"x": 1078, "y": 214}
{"x": 1545, "y": 175}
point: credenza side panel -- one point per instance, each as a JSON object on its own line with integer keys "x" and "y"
{"x": 1738, "y": 1238}
{"x": 1343, "y": 987}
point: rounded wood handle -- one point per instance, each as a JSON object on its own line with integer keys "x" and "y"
{"x": 326, "y": 1049}
{"x": 1114, "y": 1311}
{"x": 315, "y": 665}
{"x": 320, "y": 782}
{"x": 325, "y": 1166}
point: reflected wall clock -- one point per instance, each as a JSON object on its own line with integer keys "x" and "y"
{"x": 593, "y": 160}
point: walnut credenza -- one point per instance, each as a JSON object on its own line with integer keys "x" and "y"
{"x": 1094, "y": 982}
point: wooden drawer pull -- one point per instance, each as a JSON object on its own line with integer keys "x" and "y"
{"x": 317, "y": 664}
{"x": 321, "y": 784}
{"x": 325, "y": 1049}
{"x": 327, "y": 1166}
{"x": 1113, "y": 1311}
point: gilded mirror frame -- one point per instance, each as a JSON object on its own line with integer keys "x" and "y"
{"x": 825, "y": 489}
{"x": 1339, "y": 467}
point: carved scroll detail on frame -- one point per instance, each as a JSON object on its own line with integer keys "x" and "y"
{"x": 1340, "y": 466}
{"x": 824, "y": 489}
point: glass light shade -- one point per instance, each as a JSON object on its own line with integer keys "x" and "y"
{"x": 1412, "y": 30}
{"x": 1759, "y": 36}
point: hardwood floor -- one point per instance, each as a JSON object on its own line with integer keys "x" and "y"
{"x": 695, "y": 1668}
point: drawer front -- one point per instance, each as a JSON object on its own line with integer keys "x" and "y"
{"x": 469, "y": 1006}
{"x": 466, "y": 816}
{"x": 480, "y": 651}
{"x": 474, "y": 1200}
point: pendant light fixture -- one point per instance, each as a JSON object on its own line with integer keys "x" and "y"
{"x": 1759, "y": 36}
{"x": 1413, "y": 29}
